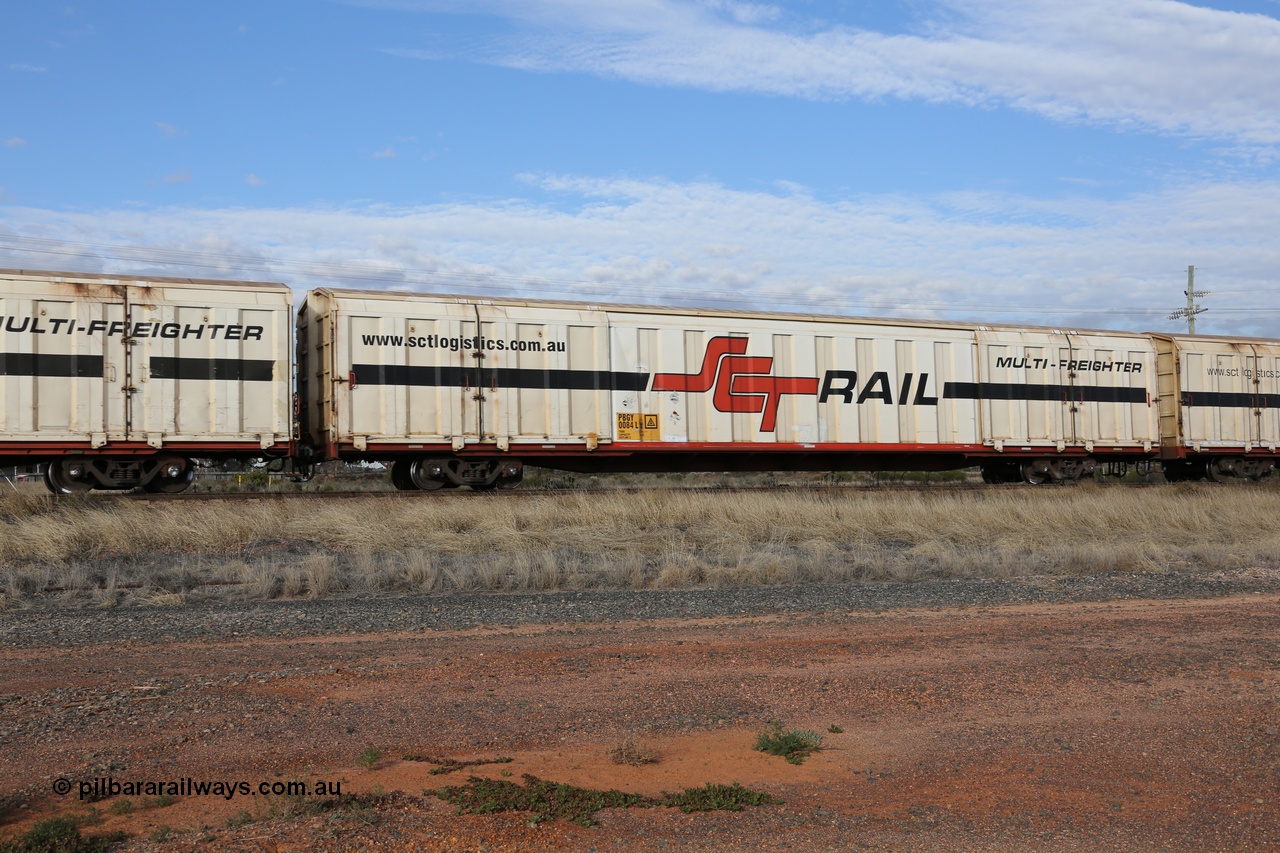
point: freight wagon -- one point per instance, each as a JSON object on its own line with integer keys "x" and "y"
{"x": 465, "y": 391}
{"x": 117, "y": 382}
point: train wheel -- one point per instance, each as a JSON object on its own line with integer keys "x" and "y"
{"x": 62, "y": 477}
{"x": 401, "y": 476}
{"x": 1220, "y": 470}
{"x": 511, "y": 475}
{"x": 428, "y": 474}
{"x": 175, "y": 476}
{"x": 1034, "y": 474}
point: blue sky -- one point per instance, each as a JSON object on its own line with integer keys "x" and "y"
{"x": 1005, "y": 160}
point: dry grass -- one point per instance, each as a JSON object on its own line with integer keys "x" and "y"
{"x": 100, "y": 550}
{"x": 633, "y": 753}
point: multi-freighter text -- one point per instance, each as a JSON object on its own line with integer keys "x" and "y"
{"x": 126, "y": 329}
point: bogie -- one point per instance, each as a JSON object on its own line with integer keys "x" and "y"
{"x": 159, "y": 474}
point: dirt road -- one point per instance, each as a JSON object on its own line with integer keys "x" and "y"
{"x": 1128, "y": 725}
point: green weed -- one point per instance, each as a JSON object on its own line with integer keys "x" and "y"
{"x": 551, "y": 800}
{"x": 713, "y": 797}
{"x": 60, "y": 835}
{"x": 160, "y": 802}
{"x": 795, "y": 745}
{"x": 450, "y": 765}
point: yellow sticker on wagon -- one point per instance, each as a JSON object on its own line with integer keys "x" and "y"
{"x": 633, "y": 426}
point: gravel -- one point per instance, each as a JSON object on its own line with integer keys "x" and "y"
{"x": 51, "y": 626}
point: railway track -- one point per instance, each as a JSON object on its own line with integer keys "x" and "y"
{"x": 517, "y": 494}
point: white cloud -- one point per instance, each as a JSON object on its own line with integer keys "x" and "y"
{"x": 169, "y": 130}
{"x": 179, "y": 177}
{"x": 253, "y": 180}
{"x": 27, "y": 67}
{"x": 1149, "y": 64}
{"x": 978, "y": 256}
{"x": 15, "y": 142}
{"x": 384, "y": 154}
{"x": 745, "y": 13}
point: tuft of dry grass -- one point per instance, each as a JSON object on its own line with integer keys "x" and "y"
{"x": 633, "y": 753}
{"x": 96, "y": 549}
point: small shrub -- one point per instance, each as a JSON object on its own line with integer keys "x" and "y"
{"x": 160, "y": 802}
{"x": 60, "y": 835}
{"x": 550, "y": 800}
{"x": 834, "y": 729}
{"x": 715, "y": 797}
{"x": 240, "y": 818}
{"x": 632, "y": 753}
{"x": 450, "y": 765}
{"x": 547, "y": 800}
{"x": 370, "y": 758}
{"x": 795, "y": 745}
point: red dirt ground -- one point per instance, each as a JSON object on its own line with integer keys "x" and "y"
{"x": 1135, "y": 725}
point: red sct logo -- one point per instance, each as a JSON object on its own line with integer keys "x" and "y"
{"x": 742, "y": 383}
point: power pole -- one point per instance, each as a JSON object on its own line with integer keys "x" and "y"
{"x": 1192, "y": 308}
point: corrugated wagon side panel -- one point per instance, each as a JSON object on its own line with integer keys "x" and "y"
{"x": 544, "y": 373}
{"x": 1216, "y": 395}
{"x": 51, "y": 371}
{"x": 448, "y": 370}
{"x": 1020, "y": 387}
{"x": 407, "y": 358}
{"x": 1114, "y": 386}
{"x": 211, "y": 365}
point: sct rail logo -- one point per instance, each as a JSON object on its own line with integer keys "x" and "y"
{"x": 742, "y": 383}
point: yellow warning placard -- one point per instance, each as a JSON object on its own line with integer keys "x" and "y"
{"x": 633, "y": 426}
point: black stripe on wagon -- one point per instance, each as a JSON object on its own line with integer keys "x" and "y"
{"x": 233, "y": 369}
{"x": 1047, "y": 393}
{"x": 499, "y": 377}
{"x": 572, "y": 380}
{"x": 50, "y": 364}
{"x": 1230, "y": 400}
